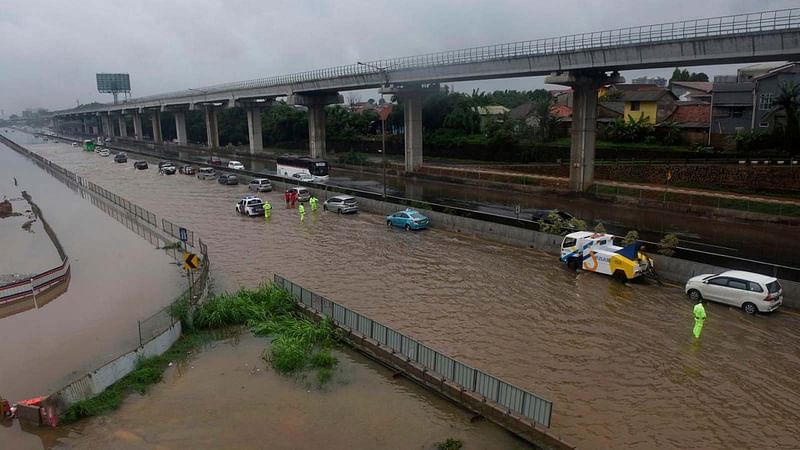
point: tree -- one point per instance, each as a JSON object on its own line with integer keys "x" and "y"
{"x": 788, "y": 101}
{"x": 684, "y": 75}
{"x": 667, "y": 244}
{"x": 630, "y": 238}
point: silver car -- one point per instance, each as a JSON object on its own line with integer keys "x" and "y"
{"x": 260, "y": 185}
{"x": 303, "y": 194}
{"x": 206, "y": 173}
{"x": 341, "y": 204}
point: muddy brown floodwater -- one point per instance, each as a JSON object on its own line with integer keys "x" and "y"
{"x": 228, "y": 397}
{"x": 618, "y": 361}
{"x": 117, "y": 278}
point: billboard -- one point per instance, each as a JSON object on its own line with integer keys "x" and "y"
{"x": 113, "y": 82}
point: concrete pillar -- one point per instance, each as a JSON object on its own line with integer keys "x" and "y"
{"x": 155, "y": 119}
{"x": 412, "y": 121}
{"x": 316, "y": 118}
{"x": 316, "y": 130}
{"x": 84, "y": 126}
{"x": 212, "y": 132}
{"x": 123, "y": 126}
{"x": 585, "y": 85}
{"x": 108, "y": 131}
{"x": 137, "y": 126}
{"x": 254, "y": 130}
{"x": 584, "y": 133}
{"x": 180, "y": 127}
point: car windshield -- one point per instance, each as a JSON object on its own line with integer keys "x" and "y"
{"x": 774, "y": 287}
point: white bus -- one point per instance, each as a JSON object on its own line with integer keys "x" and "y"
{"x": 289, "y": 165}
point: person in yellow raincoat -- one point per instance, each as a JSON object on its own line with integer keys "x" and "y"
{"x": 313, "y": 202}
{"x": 302, "y": 211}
{"x": 699, "y": 319}
{"x": 267, "y": 209}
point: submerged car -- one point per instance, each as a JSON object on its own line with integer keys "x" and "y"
{"x": 104, "y": 152}
{"x": 168, "y": 169}
{"x": 141, "y": 165}
{"x": 303, "y": 176}
{"x": 749, "y": 291}
{"x": 230, "y": 179}
{"x": 206, "y": 173}
{"x": 121, "y": 158}
{"x": 410, "y": 219}
{"x": 341, "y": 204}
{"x": 251, "y": 206}
{"x": 260, "y": 185}
{"x": 214, "y": 161}
{"x": 187, "y": 170}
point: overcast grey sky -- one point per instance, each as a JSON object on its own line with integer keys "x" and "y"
{"x": 52, "y": 49}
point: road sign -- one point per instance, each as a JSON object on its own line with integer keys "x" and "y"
{"x": 184, "y": 234}
{"x": 190, "y": 261}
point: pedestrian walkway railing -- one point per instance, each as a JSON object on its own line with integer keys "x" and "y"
{"x": 491, "y": 388}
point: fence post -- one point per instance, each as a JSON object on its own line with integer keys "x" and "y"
{"x": 139, "y": 325}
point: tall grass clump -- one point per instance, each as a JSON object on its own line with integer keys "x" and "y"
{"x": 271, "y": 311}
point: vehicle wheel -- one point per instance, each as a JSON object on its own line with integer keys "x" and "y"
{"x": 339, "y": 211}
{"x": 573, "y": 263}
{"x": 408, "y": 227}
{"x": 694, "y": 295}
{"x": 750, "y": 308}
{"x": 324, "y": 207}
{"x": 620, "y": 276}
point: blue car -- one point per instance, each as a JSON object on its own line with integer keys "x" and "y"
{"x": 409, "y": 219}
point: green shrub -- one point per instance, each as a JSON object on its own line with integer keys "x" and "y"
{"x": 450, "y": 444}
{"x": 324, "y": 360}
{"x": 600, "y": 228}
{"x": 631, "y": 237}
{"x": 667, "y": 244}
{"x": 289, "y": 355}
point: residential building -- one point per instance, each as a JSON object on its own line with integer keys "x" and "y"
{"x": 747, "y": 73}
{"x": 693, "y": 118}
{"x": 692, "y": 90}
{"x": 653, "y": 103}
{"x": 766, "y": 89}
{"x": 731, "y": 111}
{"x": 489, "y": 114}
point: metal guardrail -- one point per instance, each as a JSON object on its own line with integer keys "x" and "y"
{"x": 505, "y": 394}
{"x": 776, "y": 20}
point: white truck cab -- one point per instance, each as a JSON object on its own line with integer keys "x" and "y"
{"x": 596, "y": 252}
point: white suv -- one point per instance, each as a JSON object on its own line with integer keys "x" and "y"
{"x": 235, "y": 165}
{"x": 750, "y": 291}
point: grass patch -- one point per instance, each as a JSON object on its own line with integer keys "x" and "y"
{"x": 177, "y": 245}
{"x": 450, "y": 444}
{"x": 147, "y": 372}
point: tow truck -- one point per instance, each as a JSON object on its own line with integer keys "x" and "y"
{"x": 596, "y": 252}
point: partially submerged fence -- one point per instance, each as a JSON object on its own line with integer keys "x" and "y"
{"x": 491, "y": 388}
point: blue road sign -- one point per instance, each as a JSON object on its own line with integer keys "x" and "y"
{"x": 184, "y": 234}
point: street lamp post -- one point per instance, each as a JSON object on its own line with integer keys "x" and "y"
{"x": 383, "y": 116}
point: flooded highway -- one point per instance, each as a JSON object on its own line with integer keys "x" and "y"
{"x": 116, "y": 279}
{"x": 717, "y": 235}
{"x": 617, "y": 360}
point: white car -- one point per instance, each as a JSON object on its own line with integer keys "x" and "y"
{"x": 260, "y": 185}
{"x": 74, "y": 144}
{"x": 251, "y": 206}
{"x": 750, "y": 291}
{"x": 235, "y": 165}
{"x": 341, "y": 204}
{"x": 303, "y": 176}
{"x": 104, "y": 152}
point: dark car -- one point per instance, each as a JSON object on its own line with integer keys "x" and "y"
{"x": 214, "y": 161}
{"x": 141, "y": 165}
{"x": 121, "y": 158}
{"x": 228, "y": 179}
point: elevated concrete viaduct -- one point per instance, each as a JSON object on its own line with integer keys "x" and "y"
{"x": 581, "y": 60}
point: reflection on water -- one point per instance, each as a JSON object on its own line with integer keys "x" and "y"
{"x": 617, "y": 360}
